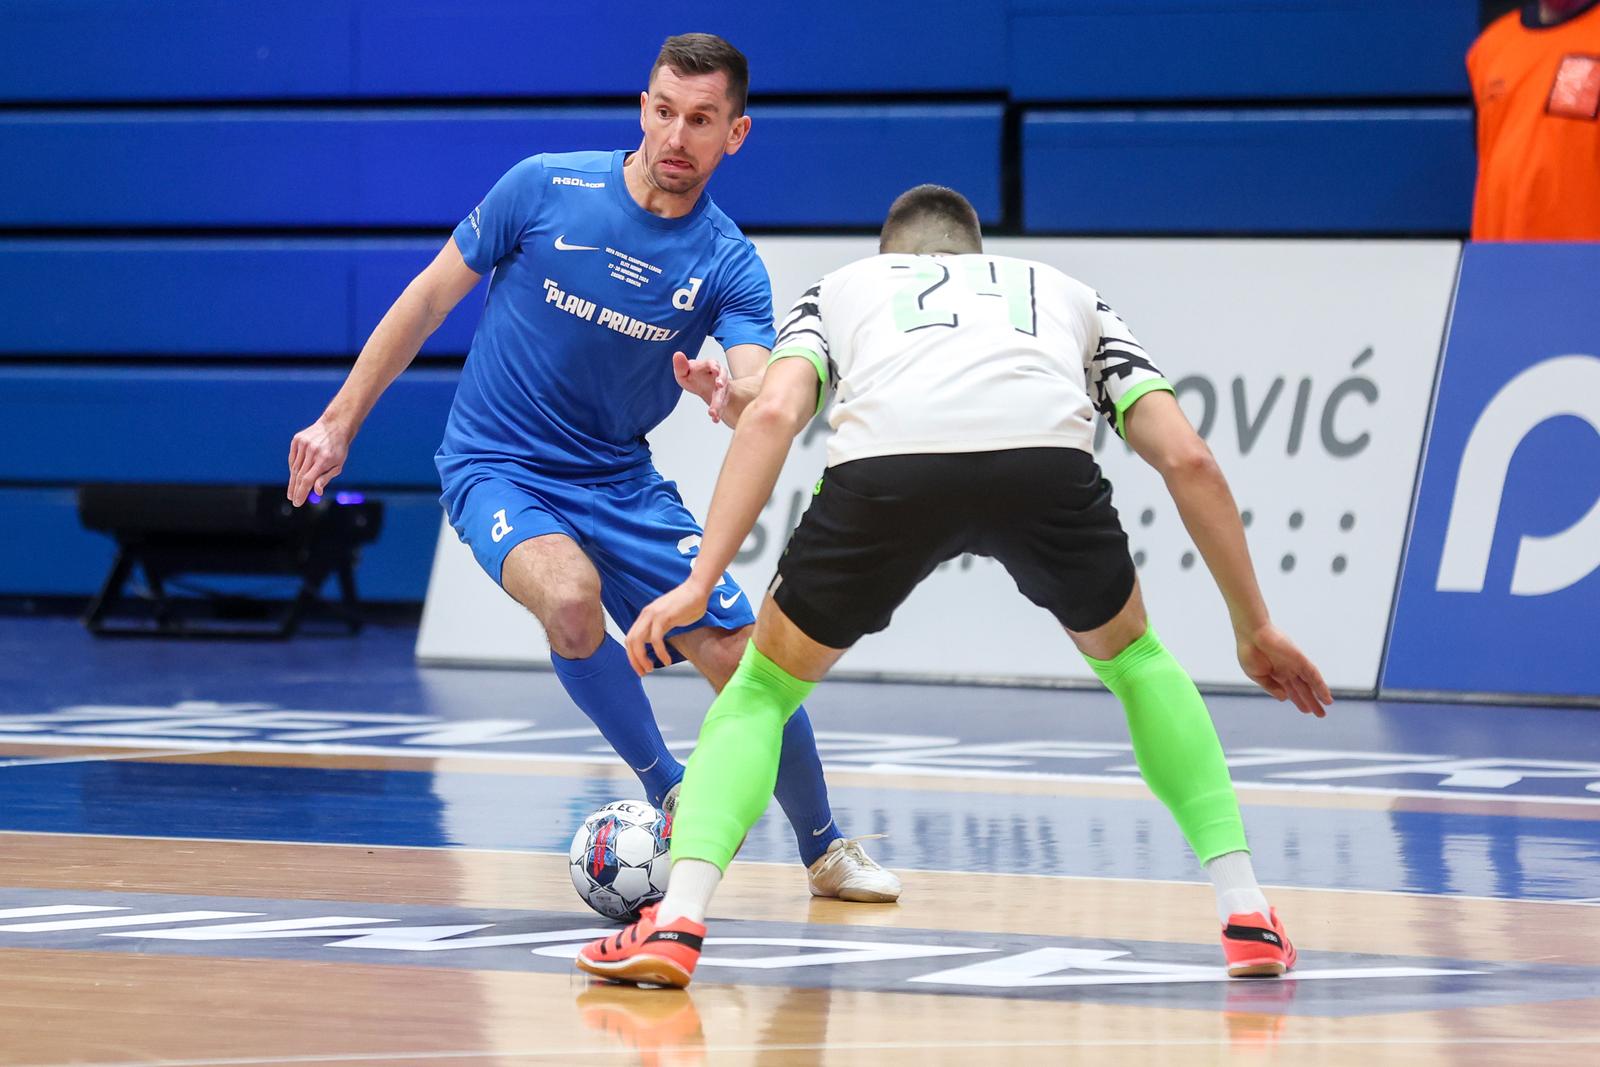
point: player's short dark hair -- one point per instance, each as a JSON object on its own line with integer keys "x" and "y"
{"x": 706, "y": 53}
{"x": 931, "y": 218}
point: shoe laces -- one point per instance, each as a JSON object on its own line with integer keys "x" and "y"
{"x": 852, "y": 849}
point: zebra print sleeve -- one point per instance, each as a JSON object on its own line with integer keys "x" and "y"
{"x": 1119, "y": 371}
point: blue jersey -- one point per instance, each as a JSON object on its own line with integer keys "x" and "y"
{"x": 591, "y": 295}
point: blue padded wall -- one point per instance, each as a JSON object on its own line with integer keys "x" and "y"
{"x": 1248, "y": 171}
{"x": 233, "y": 167}
{"x": 273, "y": 49}
{"x": 828, "y": 46}
{"x": 395, "y": 567}
{"x": 195, "y": 49}
{"x": 222, "y": 298}
{"x": 145, "y": 146}
{"x": 1058, "y": 49}
{"x": 1106, "y": 50}
{"x": 837, "y": 166}
{"x": 49, "y": 553}
{"x": 204, "y": 424}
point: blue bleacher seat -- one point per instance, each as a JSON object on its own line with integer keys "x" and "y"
{"x": 1177, "y": 50}
{"x": 62, "y": 425}
{"x": 802, "y": 166}
{"x": 1248, "y": 171}
{"x": 333, "y": 49}
{"x": 216, "y": 298}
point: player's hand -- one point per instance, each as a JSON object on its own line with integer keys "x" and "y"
{"x": 706, "y": 379}
{"x": 680, "y": 607}
{"x": 1277, "y": 665}
{"x": 316, "y": 456}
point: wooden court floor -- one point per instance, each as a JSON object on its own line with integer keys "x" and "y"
{"x": 181, "y": 885}
{"x": 134, "y": 1001}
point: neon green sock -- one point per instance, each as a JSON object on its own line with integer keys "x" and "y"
{"x": 1176, "y": 744}
{"x": 730, "y": 777}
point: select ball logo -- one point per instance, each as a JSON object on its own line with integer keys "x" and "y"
{"x": 619, "y": 858}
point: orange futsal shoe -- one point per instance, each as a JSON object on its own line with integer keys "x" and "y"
{"x": 1256, "y": 946}
{"x": 645, "y": 953}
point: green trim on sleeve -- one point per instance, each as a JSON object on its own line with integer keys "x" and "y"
{"x": 1127, "y": 401}
{"x": 817, "y": 362}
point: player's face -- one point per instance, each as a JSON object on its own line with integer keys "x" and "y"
{"x": 689, "y": 126}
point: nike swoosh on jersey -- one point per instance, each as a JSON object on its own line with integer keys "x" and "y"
{"x": 562, "y": 246}
{"x": 730, "y": 601}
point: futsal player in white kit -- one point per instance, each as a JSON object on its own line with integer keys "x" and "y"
{"x": 967, "y": 387}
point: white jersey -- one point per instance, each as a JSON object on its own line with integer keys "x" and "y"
{"x": 964, "y": 353}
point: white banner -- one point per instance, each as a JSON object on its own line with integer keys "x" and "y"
{"x": 1307, "y": 365}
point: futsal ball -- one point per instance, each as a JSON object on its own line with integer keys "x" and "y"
{"x": 619, "y": 858}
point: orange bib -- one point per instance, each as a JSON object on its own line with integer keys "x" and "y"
{"x": 1538, "y": 97}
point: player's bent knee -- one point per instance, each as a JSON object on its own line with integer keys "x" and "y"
{"x": 574, "y": 624}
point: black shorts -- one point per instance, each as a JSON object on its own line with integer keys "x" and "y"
{"x": 879, "y": 526}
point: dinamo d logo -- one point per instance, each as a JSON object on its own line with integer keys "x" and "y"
{"x": 683, "y": 299}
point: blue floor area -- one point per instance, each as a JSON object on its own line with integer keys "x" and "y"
{"x": 926, "y": 829}
{"x": 60, "y": 687}
{"x": 52, "y": 663}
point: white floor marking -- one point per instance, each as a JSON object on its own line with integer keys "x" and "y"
{"x": 28, "y": 761}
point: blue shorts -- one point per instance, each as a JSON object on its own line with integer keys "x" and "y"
{"x": 636, "y": 532}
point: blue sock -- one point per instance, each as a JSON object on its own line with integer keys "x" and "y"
{"x": 608, "y": 691}
{"x": 802, "y": 793}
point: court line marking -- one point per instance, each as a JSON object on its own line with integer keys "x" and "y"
{"x": 148, "y": 754}
{"x": 1417, "y": 894}
{"x": 902, "y": 770}
{"x": 28, "y": 761}
{"x": 843, "y": 1046}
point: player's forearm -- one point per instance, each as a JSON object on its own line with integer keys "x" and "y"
{"x": 760, "y": 445}
{"x": 394, "y": 343}
{"x": 1209, "y": 513}
{"x": 741, "y": 391}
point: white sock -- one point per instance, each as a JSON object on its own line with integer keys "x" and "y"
{"x": 689, "y": 891}
{"x": 1234, "y": 880}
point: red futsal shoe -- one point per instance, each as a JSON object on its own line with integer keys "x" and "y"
{"x": 646, "y": 954}
{"x": 1256, "y": 946}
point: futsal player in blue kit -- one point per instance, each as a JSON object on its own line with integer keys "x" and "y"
{"x": 606, "y": 268}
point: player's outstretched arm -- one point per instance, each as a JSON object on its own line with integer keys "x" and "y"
{"x": 317, "y": 453}
{"x": 1159, "y": 431}
{"x": 787, "y": 400}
